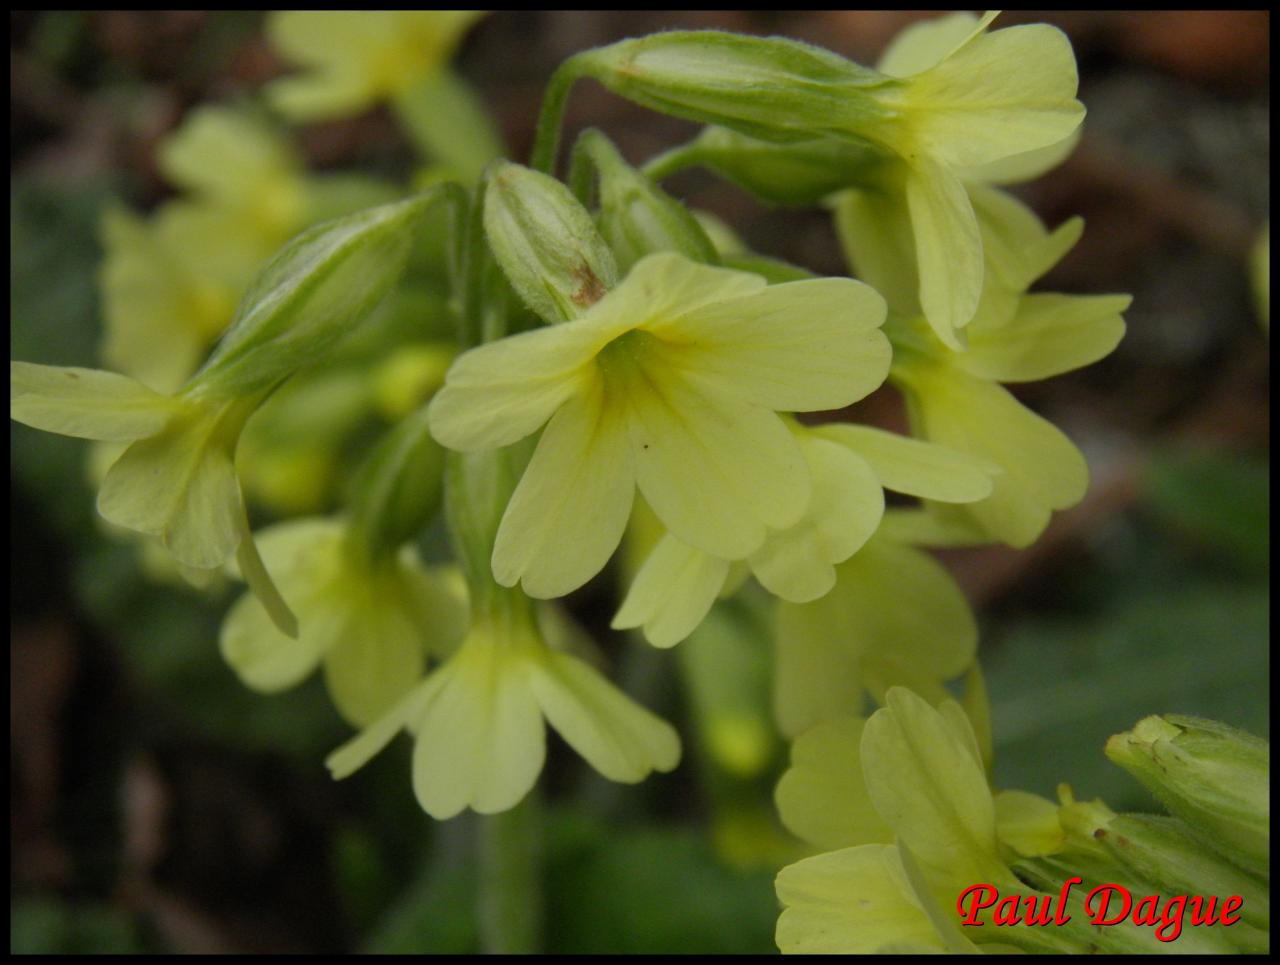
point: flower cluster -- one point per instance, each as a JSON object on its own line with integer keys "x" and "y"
{"x": 626, "y": 374}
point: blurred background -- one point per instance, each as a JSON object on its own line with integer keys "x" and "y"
{"x": 156, "y": 805}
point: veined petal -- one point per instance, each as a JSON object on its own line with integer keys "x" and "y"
{"x": 1017, "y": 168}
{"x": 823, "y": 798}
{"x": 1028, "y": 823}
{"x": 847, "y": 503}
{"x": 948, "y": 249}
{"x": 86, "y": 403}
{"x": 362, "y": 748}
{"x": 874, "y": 227}
{"x": 672, "y": 592}
{"x": 715, "y": 469}
{"x": 1043, "y": 470}
{"x": 854, "y": 901}
{"x": 1050, "y": 334}
{"x": 376, "y": 656}
{"x": 912, "y": 466}
{"x": 817, "y": 676}
{"x": 801, "y": 346}
{"x": 304, "y": 562}
{"x": 615, "y": 735}
{"x": 924, "y": 43}
{"x": 902, "y": 605}
{"x": 1016, "y": 245}
{"x": 568, "y": 512}
{"x": 662, "y": 288}
{"x": 480, "y": 741}
{"x": 926, "y": 784}
{"x": 499, "y": 393}
{"x": 181, "y": 486}
{"x": 1001, "y": 94}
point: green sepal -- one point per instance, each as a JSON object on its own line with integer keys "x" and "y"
{"x": 767, "y": 87}
{"x": 637, "y": 217}
{"x": 1215, "y": 778}
{"x": 799, "y": 174}
{"x": 313, "y": 292}
{"x": 546, "y": 242}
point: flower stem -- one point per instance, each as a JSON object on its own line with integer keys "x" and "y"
{"x": 509, "y": 905}
{"x": 547, "y": 139}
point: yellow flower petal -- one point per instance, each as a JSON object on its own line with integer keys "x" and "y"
{"x": 570, "y": 508}
{"x": 924, "y": 43}
{"x": 1050, "y": 334}
{"x": 822, "y": 797}
{"x": 801, "y": 346}
{"x": 925, "y": 782}
{"x": 717, "y": 471}
{"x": 917, "y": 468}
{"x": 1028, "y": 824}
{"x": 615, "y": 735}
{"x": 854, "y": 901}
{"x": 797, "y": 563}
{"x": 1000, "y": 94}
{"x": 948, "y": 249}
{"x": 86, "y": 403}
{"x": 480, "y": 739}
{"x": 672, "y": 592}
{"x": 181, "y": 486}
{"x": 1043, "y": 470}
{"x": 499, "y": 393}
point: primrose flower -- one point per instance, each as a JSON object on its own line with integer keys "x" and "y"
{"x": 356, "y": 58}
{"x": 850, "y": 467}
{"x": 954, "y": 398}
{"x": 477, "y": 721}
{"x": 968, "y": 101}
{"x": 177, "y": 479}
{"x": 950, "y": 100}
{"x": 670, "y": 382}
{"x": 895, "y": 616}
{"x": 933, "y": 828}
{"x": 170, "y": 283}
{"x": 370, "y": 624}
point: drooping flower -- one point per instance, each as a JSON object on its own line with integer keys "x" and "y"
{"x": 370, "y": 624}
{"x": 670, "y": 382}
{"x": 850, "y": 467}
{"x": 170, "y": 282}
{"x": 954, "y": 398}
{"x": 477, "y": 722}
{"x": 356, "y": 58}
{"x": 950, "y": 100}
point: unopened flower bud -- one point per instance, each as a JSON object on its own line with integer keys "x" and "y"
{"x": 546, "y": 243}
{"x": 1213, "y": 777}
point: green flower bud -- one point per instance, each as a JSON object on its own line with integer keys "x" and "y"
{"x": 546, "y": 243}
{"x": 399, "y": 488}
{"x": 782, "y": 90}
{"x": 637, "y": 218}
{"x": 312, "y": 293}
{"x": 799, "y": 174}
{"x": 1162, "y": 850}
{"x": 1213, "y": 777}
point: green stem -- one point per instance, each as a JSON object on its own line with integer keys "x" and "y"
{"x": 509, "y": 904}
{"x": 547, "y": 139}
{"x": 669, "y": 162}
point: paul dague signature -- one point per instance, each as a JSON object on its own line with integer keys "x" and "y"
{"x": 1051, "y": 910}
